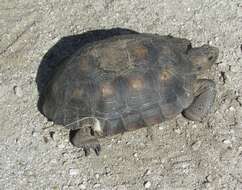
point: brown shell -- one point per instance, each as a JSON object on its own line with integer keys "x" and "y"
{"x": 128, "y": 82}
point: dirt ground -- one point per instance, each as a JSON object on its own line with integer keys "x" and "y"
{"x": 35, "y": 154}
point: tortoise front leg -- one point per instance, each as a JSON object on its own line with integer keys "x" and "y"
{"x": 84, "y": 138}
{"x": 204, "y": 92}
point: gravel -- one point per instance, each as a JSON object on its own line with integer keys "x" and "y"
{"x": 35, "y": 154}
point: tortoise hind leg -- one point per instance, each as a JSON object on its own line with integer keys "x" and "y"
{"x": 83, "y": 138}
{"x": 204, "y": 90}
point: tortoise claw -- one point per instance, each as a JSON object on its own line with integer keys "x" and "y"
{"x": 97, "y": 149}
{"x": 87, "y": 151}
{"x": 94, "y": 146}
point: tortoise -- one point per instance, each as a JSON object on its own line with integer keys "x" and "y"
{"x": 127, "y": 82}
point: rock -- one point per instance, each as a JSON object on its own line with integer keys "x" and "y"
{"x": 74, "y": 171}
{"x": 160, "y": 127}
{"x": 108, "y": 171}
{"x": 231, "y": 108}
{"x": 121, "y": 187}
{"x": 52, "y": 133}
{"x": 135, "y": 155}
{"x": 226, "y": 141}
{"x": 178, "y": 131}
{"x": 96, "y": 185}
{"x": 147, "y": 172}
{"x": 82, "y": 187}
{"x": 235, "y": 68}
{"x": 210, "y": 42}
{"x": 55, "y": 188}
{"x": 34, "y": 133}
{"x": 18, "y": 91}
{"x": 147, "y": 184}
{"x": 61, "y": 146}
{"x": 97, "y": 176}
{"x": 4, "y": 90}
{"x": 196, "y": 145}
{"x": 209, "y": 178}
{"x": 65, "y": 187}
{"x": 45, "y": 139}
{"x": 68, "y": 187}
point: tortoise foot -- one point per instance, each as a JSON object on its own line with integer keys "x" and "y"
{"x": 82, "y": 139}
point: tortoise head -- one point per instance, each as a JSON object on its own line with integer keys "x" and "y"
{"x": 203, "y": 57}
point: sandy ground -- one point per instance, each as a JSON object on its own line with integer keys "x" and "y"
{"x": 182, "y": 155}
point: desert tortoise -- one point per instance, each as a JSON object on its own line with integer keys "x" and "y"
{"x": 128, "y": 82}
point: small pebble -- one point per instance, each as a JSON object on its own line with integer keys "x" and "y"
{"x": 160, "y": 127}
{"x": 226, "y": 141}
{"x": 147, "y": 172}
{"x": 34, "y": 133}
{"x": 240, "y": 151}
{"x": 107, "y": 171}
{"x": 147, "y": 184}
{"x": 61, "y": 146}
{"x": 196, "y": 145}
{"x": 55, "y": 188}
{"x": 178, "y": 131}
{"x": 18, "y": 91}
{"x": 49, "y": 123}
{"x": 209, "y": 178}
{"x": 74, "y": 171}
{"x": 235, "y": 68}
{"x": 194, "y": 126}
{"x": 121, "y": 187}
{"x": 45, "y": 139}
{"x": 96, "y": 185}
{"x": 135, "y": 155}
{"x": 82, "y": 187}
{"x": 120, "y": 159}
{"x": 65, "y": 187}
{"x": 97, "y": 176}
{"x": 51, "y": 133}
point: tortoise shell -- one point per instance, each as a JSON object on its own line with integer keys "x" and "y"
{"x": 127, "y": 82}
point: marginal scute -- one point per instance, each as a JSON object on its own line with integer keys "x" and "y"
{"x": 153, "y": 120}
{"x": 77, "y": 92}
{"x": 84, "y": 64}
